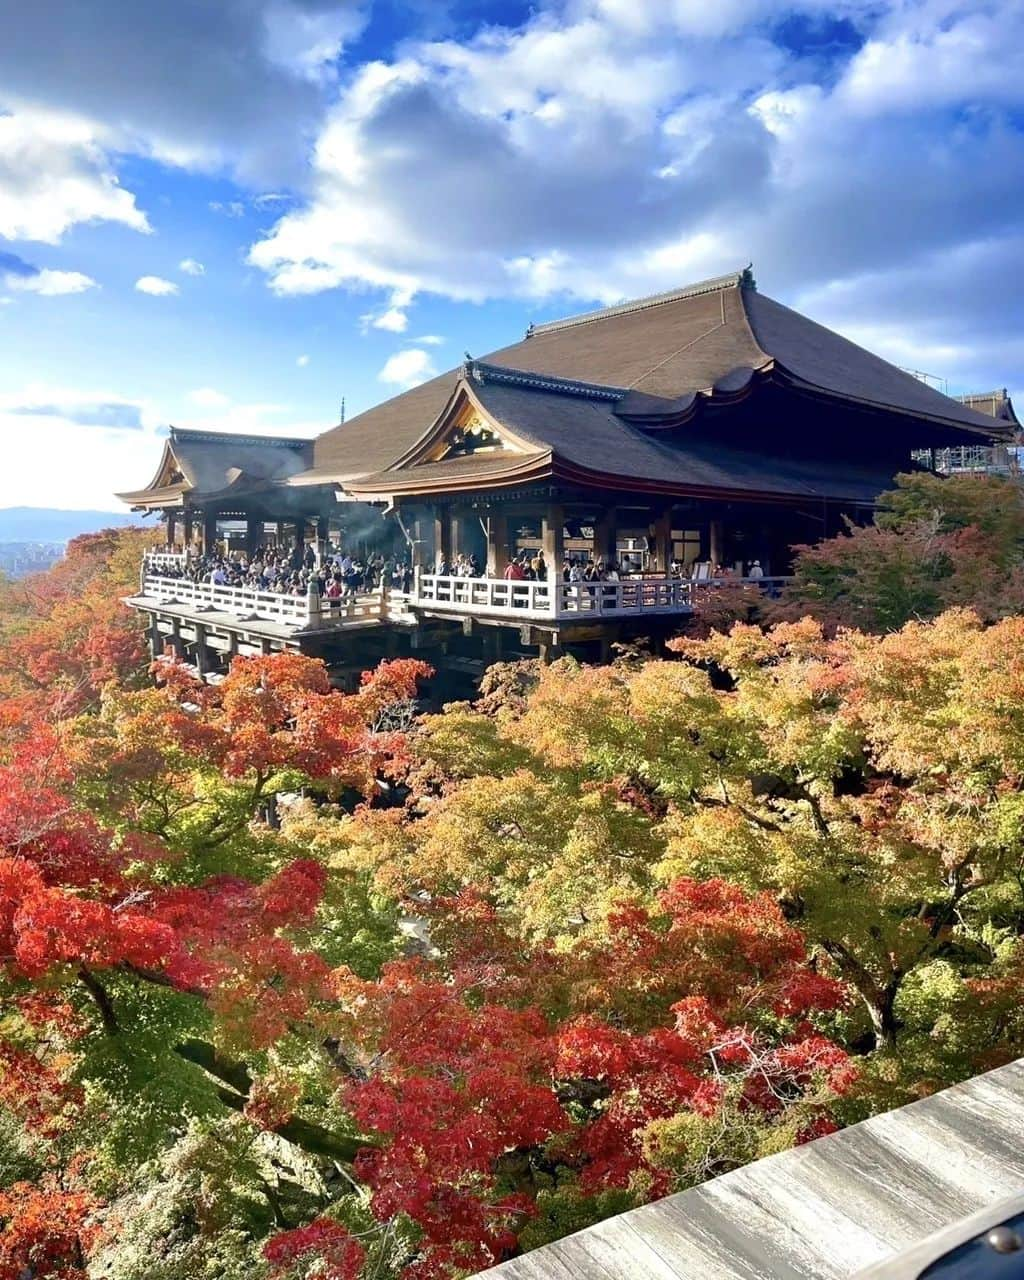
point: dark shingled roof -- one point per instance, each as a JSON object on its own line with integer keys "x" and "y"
{"x": 214, "y": 462}
{"x": 669, "y": 347}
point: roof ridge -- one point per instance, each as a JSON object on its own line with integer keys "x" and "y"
{"x": 221, "y": 437}
{"x": 481, "y": 371}
{"x": 713, "y": 284}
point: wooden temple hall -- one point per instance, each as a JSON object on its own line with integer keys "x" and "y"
{"x": 679, "y": 437}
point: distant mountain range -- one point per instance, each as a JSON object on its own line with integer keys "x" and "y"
{"x": 44, "y": 524}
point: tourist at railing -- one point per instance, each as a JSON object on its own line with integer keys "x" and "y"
{"x": 274, "y": 573}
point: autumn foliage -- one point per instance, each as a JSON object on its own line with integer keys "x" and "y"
{"x": 295, "y": 984}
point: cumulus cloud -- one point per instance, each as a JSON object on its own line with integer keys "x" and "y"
{"x": 609, "y": 148}
{"x": 408, "y": 368}
{"x": 209, "y": 398}
{"x": 302, "y": 361}
{"x": 256, "y": 72}
{"x": 156, "y": 285}
{"x": 393, "y": 321}
{"x": 50, "y": 284}
{"x": 428, "y": 340}
{"x": 54, "y": 173}
{"x": 191, "y": 267}
{"x": 124, "y": 414}
{"x": 94, "y": 442}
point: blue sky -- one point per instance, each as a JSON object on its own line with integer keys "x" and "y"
{"x": 234, "y": 215}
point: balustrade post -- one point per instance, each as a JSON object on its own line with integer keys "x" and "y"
{"x": 313, "y": 602}
{"x": 417, "y": 574}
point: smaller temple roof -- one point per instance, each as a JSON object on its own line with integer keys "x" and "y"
{"x": 206, "y": 465}
{"x": 996, "y": 404}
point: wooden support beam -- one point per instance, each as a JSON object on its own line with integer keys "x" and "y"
{"x": 175, "y": 641}
{"x": 716, "y": 542}
{"x": 156, "y": 640}
{"x": 497, "y": 543}
{"x": 606, "y": 532}
{"x": 201, "y": 655}
{"x": 443, "y": 536}
{"x": 253, "y": 535}
{"x": 662, "y": 528}
{"x": 553, "y": 538}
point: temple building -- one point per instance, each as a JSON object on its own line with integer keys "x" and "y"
{"x": 680, "y": 437}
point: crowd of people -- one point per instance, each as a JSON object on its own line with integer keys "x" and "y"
{"x": 340, "y": 576}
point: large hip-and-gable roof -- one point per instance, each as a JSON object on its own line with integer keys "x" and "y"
{"x": 663, "y": 351}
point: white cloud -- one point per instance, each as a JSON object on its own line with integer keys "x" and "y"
{"x": 257, "y": 71}
{"x": 95, "y": 441}
{"x": 302, "y": 361}
{"x": 610, "y": 148}
{"x": 393, "y": 321}
{"x": 428, "y": 340}
{"x": 50, "y": 284}
{"x": 408, "y": 368}
{"x": 191, "y": 267}
{"x": 230, "y": 208}
{"x": 54, "y": 174}
{"x": 208, "y": 398}
{"x": 156, "y": 285}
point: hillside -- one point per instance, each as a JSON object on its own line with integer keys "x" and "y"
{"x": 50, "y": 524}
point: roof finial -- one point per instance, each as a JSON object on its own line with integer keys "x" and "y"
{"x": 747, "y": 277}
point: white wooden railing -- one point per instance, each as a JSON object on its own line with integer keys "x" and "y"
{"x": 493, "y": 597}
{"x": 247, "y": 604}
{"x": 506, "y": 597}
{"x": 165, "y": 560}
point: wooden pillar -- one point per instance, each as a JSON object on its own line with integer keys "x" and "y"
{"x": 187, "y": 518}
{"x": 156, "y": 640}
{"x": 172, "y": 521}
{"x": 175, "y": 641}
{"x": 253, "y": 535}
{"x": 553, "y": 538}
{"x": 497, "y": 543}
{"x": 443, "y": 536}
{"x": 606, "y": 536}
{"x": 662, "y": 526}
{"x": 716, "y": 542}
{"x": 456, "y": 535}
{"x": 421, "y": 550}
{"x": 321, "y": 540}
{"x": 202, "y": 657}
{"x": 209, "y": 533}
